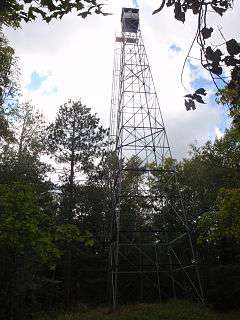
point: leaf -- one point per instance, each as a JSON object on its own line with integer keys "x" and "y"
{"x": 47, "y": 19}
{"x": 51, "y": 6}
{"x": 216, "y": 70}
{"x": 31, "y": 16}
{"x": 233, "y": 47}
{"x": 214, "y": 56}
{"x": 54, "y": 15}
{"x": 179, "y": 14}
{"x": 190, "y": 104}
{"x": 84, "y": 14}
{"x": 206, "y": 32}
{"x": 199, "y": 99}
{"x": 37, "y": 10}
{"x": 189, "y": 96}
{"x": 209, "y": 53}
{"x": 106, "y": 14}
{"x": 231, "y": 61}
{"x": 219, "y": 10}
{"x": 196, "y": 7}
{"x": 201, "y": 91}
{"x": 170, "y": 3}
{"x": 160, "y": 8}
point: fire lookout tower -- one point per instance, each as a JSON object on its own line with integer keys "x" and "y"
{"x": 151, "y": 254}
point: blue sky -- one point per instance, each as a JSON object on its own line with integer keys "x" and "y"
{"x": 208, "y": 85}
{"x": 49, "y": 92}
{"x": 35, "y": 81}
{"x": 175, "y": 48}
{"x": 135, "y": 3}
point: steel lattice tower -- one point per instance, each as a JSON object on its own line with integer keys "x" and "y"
{"x": 141, "y": 256}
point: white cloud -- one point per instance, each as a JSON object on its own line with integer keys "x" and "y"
{"x": 219, "y": 133}
{"x": 78, "y": 57}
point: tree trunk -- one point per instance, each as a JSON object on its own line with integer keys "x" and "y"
{"x": 20, "y": 145}
{"x": 70, "y": 207}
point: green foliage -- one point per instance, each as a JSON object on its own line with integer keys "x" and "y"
{"x": 76, "y": 136}
{"x": 31, "y": 238}
{"x": 26, "y": 247}
{"x": 54, "y": 239}
{"x": 174, "y": 310}
{"x": 13, "y": 12}
{"x": 8, "y": 87}
{"x": 70, "y": 232}
{"x": 30, "y": 130}
{"x": 24, "y": 227}
{"x": 230, "y": 96}
{"x": 225, "y": 221}
{"x": 75, "y": 140}
{"x": 223, "y": 291}
{"x": 210, "y": 168}
{"x": 30, "y": 241}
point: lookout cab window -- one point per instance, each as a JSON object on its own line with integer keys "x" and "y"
{"x": 130, "y": 20}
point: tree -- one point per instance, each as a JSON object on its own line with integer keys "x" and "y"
{"x": 210, "y": 168}
{"x": 76, "y": 140}
{"x": 224, "y": 221}
{"x": 26, "y": 243}
{"x": 31, "y": 235}
{"x": 30, "y": 246}
{"x": 214, "y": 60}
{"x": 219, "y": 231}
{"x": 8, "y": 87}
{"x": 21, "y": 159}
{"x": 13, "y": 12}
{"x": 230, "y": 96}
{"x": 27, "y": 221}
{"x": 30, "y": 130}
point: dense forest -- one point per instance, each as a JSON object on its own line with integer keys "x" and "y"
{"x": 56, "y": 203}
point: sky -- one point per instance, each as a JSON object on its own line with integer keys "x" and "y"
{"x": 73, "y": 58}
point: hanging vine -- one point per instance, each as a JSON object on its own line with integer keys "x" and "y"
{"x": 217, "y": 62}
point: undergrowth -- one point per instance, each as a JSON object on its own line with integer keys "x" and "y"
{"x": 175, "y": 310}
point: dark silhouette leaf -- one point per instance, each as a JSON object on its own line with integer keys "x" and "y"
{"x": 219, "y": 10}
{"x": 201, "y": 91}
{"x": 189, "y": 96}
{"x": 214, "y": 56}
{"x": 170, "y": 3}
{"x": 216, "y": 70}
{"x": 190, "y": 104}
{"x": 233, "y": 47}
{"x": 231, "y": 61}
{"x": 195, "y": 6}
{"x": 29, "y": 10}
{"x": 209, "y": 53}
{"x": 206, "y": 32}
{"x": 198, "y": 98}
{"x": 179, "y": 14}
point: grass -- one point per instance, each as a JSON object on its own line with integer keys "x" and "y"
{"x": 175, "y": 310}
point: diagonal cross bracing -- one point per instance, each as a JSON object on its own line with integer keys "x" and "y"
{"x": 143, "y": 156}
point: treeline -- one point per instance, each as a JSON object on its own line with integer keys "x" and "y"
{"x": 44, "y": 225}
{"x": 56, "y": 183}
{"x": 55, "y": 211}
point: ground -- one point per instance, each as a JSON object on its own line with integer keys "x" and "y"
{"x": 177, "y": 310}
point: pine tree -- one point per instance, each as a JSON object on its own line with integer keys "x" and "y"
{"x": 76, "y": 139}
